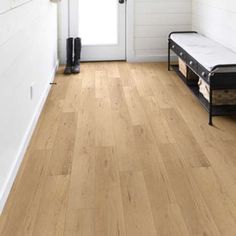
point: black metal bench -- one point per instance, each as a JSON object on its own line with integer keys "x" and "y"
{"x": 220, "y": 77}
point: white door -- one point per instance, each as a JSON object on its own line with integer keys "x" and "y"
{"x": 102, "y": 26}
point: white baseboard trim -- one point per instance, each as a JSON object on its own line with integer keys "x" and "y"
{"x": 26, "y": 140}
{"x": 160, "y": 58}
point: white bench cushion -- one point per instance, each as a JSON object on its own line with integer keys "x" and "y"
{"x": 206, "y": 51}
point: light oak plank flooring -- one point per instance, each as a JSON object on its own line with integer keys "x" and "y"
{"x": 125, "y": 150}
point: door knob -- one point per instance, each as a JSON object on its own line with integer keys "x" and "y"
{"x": 121, "y": 1}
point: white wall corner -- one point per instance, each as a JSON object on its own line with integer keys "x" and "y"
{"x": 26, "y": 140}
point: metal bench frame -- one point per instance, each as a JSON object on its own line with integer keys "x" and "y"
{"x": 216, "y": 79}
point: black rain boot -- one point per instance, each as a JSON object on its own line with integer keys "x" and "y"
{"x": 69, "y": 56}
{"x": 77, "y": 52}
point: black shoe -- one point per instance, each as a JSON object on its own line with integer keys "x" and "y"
{"x": 69, "y": 56}
{"x": 77, "y": 52}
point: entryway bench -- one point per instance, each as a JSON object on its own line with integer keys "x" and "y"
{"x": 214, "y": 67}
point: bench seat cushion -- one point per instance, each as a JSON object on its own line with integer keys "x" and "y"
{"x": 206, "y": 51}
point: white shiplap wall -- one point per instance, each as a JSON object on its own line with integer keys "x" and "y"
{"x": 216, "y": 19}
{"x": 28, "y": 57}
{"x": 153, "y": 21}
{"x": 149, "y": 23}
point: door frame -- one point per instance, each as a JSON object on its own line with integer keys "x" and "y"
{"x": 130, "y": 24}
{"x": 63, "y": 30}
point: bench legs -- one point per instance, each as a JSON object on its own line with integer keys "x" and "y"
{"x": 210, "y": 120}
{"x": 210, "y": 108}
{"x": 169, "y": 55}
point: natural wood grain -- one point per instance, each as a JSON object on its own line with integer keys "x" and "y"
{"x": 62, "y": 152}
{"x": 82, "y": 183}
{"x": 197, "y": 217}
{"x": 101, "y": 84}
{"x": 166, "y": 212}
{"x": 136, "y": 110}
{"x": 48, "y": 125}
{"x": 51, "y": 220}
{"x": 125, "y": 141}
{"x": 184, "y": 138}
{"x": 22, "y": 212}
{"x": 125, "y": 150}
{"x": 137, "y": 209}
{"x": 80, "y": 222}
{"x": 72, "y": 99}
{"x": 103, "y": 121}
{"x": 109, "y": 210}
{"x": 159, "y": 126}
{"x": 220, "y": 205}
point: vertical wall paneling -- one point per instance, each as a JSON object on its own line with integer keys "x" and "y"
{"x": 216, "y": 19}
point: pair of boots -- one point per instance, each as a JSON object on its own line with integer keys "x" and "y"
{"x": 73, "y": 63}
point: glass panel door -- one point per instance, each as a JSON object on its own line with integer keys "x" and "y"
{"x": 98, "y": 22}
{"x": 101, "y": 25}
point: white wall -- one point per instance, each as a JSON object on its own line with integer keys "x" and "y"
{"x": 149, "y": 23}
{"x": 153, "y": 21}
{"x": 63, "y": 33}
{"x": 216, "y": 19}
{"x": 28, "y": 57}
{"x": 5, "y": 5}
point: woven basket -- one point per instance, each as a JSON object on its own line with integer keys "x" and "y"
{"x": 219, "y": 97}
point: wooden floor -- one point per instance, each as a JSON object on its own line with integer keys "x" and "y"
{"x": 125, "y": 149}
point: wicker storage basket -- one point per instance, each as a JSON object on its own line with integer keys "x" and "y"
{"x": 219, "y": 97}
{"x": 182, "y": 67}
{"x": 187, "y": 72}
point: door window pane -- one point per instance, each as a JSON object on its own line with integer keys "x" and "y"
{"x": 98, "y": 22}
